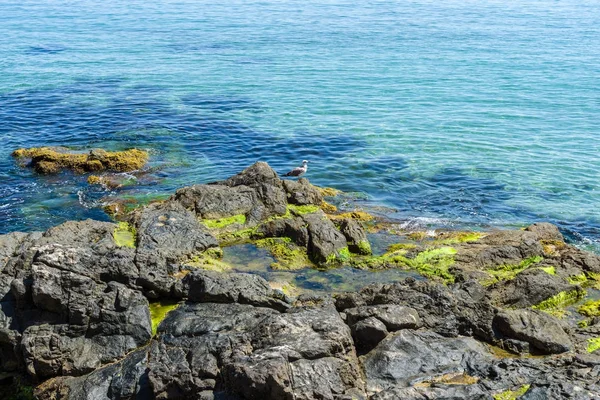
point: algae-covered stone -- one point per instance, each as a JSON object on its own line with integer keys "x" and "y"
{"x": 49, "y": 160}
{"x": 288, "y": 256}
{"x": 356, "y": 236}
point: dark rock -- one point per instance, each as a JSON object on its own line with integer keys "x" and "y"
{"x": 301, "y": 192}
{"x": 408, "y": 356}
{"x": 499, "y": 248}
{"x": 355, "y": 236}
{"x": 269, "y": 189}
{"x": 167, "y": 233}
{"x": 93, "y": 324}
{"x": 208, "y": 286}
{"x": 528, "y": 288}
{"x": 294, "y": 228}
{"x": 545, "y": 231}
{"x": 367, "y": 333}
{"x": 217, "y": 201}
{"x": 578, "y": 259}
{"x": 324, "y": 240}
{"x": 539, "y": 329}
{"x": 393, "y": 317}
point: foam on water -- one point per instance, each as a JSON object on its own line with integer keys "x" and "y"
{"x": 472, "y": 113}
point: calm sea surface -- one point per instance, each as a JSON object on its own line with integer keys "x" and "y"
{"x": 453, "y": 113}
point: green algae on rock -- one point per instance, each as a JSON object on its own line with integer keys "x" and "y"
{"x": 51, "y": 160}
{"x": 159, "y": 311}
{"x": 125, "y": 235}
{"x": 209, "y": 260}
{"x": 434, "y": 263}
{"x": 512, "y": 394}
{"x": 220, "y": 223}
{"x": 288, "y": 255}
{"x": 593, "y": 344}
{"x": 431, "y": 263}
{"x": 590, "y": 308}
{"x": 550, "y": 270}
{"x": 458, "y": 237}
{"x": 507, "y": 272}
{"x": 556, "y": 304}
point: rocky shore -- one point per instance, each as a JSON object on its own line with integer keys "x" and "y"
{"x": 145, "y": 308}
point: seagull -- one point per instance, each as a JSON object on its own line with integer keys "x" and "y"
{"x": 299, "y": 171}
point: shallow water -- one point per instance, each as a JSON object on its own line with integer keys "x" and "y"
{"x": 458, "y": 113}
{"x": 251, "y": 259}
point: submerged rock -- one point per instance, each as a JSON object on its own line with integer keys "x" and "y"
{"x": 50, "y": 160}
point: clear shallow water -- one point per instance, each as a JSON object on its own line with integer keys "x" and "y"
{"x": 460, "y": 113}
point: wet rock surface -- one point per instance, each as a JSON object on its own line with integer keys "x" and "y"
{"x": 79, "y": 319}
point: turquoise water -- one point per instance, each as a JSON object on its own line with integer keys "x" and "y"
{"x": 477, "y": 113}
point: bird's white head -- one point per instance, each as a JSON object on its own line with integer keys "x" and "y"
{"x": 304, "y": 162}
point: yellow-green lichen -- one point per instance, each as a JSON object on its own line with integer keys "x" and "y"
{"x": 512, "y": 394}
{"x": 288, "y": 255}
{"x": 593, "y": 344}
{"x": 293, "y": 210}
{"x": 125, "y": 235}
{"x": 287, "y": 288}
{"x": 556, "y": 304}
{"x": 301, "y": 210}
{"x": 583, "y": 323}
{"x": 507, "y": 272}
{"x": 159, "y": 311}
{"x": 220, "y": 223}
{"x": 590, "y": 308}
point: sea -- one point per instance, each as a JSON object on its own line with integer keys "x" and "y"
{"x": 439, "y": 114}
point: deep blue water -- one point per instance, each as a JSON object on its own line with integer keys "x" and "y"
{"x": 476, "y": 113}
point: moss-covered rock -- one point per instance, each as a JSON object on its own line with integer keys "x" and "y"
{"x": 288, "y": 256}
{"x": 49, "y": 160}
{"x": 455, "y": 237}
{"x": 593, "y": 344}
{"x": 209, "y": 260}
{"x": 125, "y": 235}
{"x": 590, "y": 308}
{"x": 509, "y": 271}
{"x": 556, "y": 304}
{"x": 221, "y": 223}
{"x": 355, "y": 215}
{"x": 433, "y": 263}
{"x": 159, "y": 311}
{"x": 512, "y": 394}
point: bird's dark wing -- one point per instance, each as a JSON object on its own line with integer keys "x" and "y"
{"x": 295, "y": 172}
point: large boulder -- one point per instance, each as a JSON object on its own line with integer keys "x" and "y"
{"x": 167, "y": 233}
{"x": 209, "y": 286}
{"x": 324, "y": 239}
{"x": 539, "y": 329}
{"x": 301, "y": 192}
{"x": 408, "y": 356}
